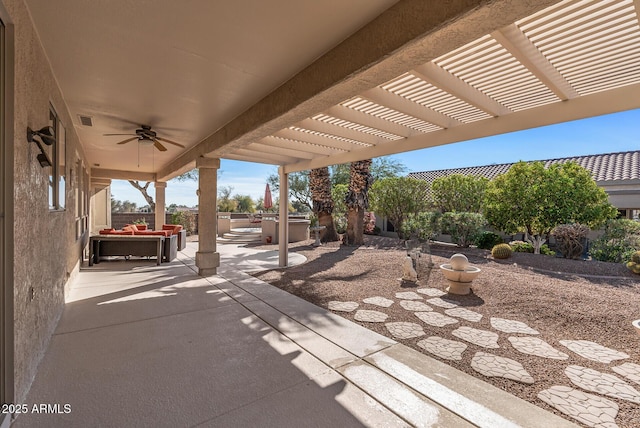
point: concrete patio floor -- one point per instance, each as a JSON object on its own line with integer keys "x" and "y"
{"x": 145, "y": 345}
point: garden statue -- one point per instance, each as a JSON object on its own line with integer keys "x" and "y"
{"x": 460, "y": 274}
{"x": 408, "y": 271}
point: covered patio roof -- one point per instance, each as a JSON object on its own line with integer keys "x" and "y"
{"x": 418, "y": 75}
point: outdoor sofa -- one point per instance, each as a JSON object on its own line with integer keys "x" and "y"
{"x": 134, "y": 240}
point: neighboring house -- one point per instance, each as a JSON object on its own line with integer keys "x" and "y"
{"x": 617, "y": 173}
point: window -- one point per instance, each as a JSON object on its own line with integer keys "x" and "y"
{"x": 58, "y": 171}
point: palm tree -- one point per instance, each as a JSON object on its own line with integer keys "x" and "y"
{"x": 358, "y": 200}
{"x": 320, "y": 187}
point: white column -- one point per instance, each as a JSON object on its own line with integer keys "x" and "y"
{"x": 207, "y": 259}
{"x": 160, "y": 203}
{"x": 283, "y": 233}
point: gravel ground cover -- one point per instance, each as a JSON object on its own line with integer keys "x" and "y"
{"x": 560, "y": 300}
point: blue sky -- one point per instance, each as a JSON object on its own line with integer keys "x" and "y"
{"x": 603, "y": 134}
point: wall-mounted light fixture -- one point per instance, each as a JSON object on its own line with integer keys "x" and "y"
{"x": 46, "y": 135}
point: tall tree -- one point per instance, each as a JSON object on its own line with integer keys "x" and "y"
{"x": 320, "y": 186}
{"x": 225, "y": 202}
{"x": 459, "y": 193}
{"x": 357, "y": 200}
{"x": 383, "y": 167}
{"x": 399, "y": 197}
{"x": 298, "y": 189}
{"x": 533, "y": 199}
{"x": 144, "y": 189}
{"x": 244, "y": 203}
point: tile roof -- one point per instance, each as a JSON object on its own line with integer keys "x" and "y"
{"x": 603, "y": 167}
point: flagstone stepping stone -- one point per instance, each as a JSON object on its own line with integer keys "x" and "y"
{"x": 484, "y": 338}
{"x": 408, "y": 295}
{"x": 437, "y": 301}
{"x": 465, "y": 314}
{"x": 538, "y": 347}
{"x": 443, "y": 348}
{"x": 593, "y": 351}
{"x": 334, "y": 305}
{"x": 591, "y": 410}
{"x": 602, "y": 383}
{"x": 405, "y": 330}
{"x": 493, "y": 366}
{"x": 435, "y": 319}
{"x": 413, "y": 306}
{"x": 511, "y": 326}
{"x": 433, "y": 292}
{"x": 370, "y": 316}
{"x": 379, "y": 301}
{"x": 629, "y": 370}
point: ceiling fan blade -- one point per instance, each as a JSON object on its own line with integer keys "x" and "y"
{"x": 128, "y": 139}
{"x": 159, "y": 146}
{"x": 111, "y": 135}
{"x": 170, "y": 142}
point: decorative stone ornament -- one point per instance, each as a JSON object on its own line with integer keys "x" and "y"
{"x": 460, "y": 274}
{"x": 408, "y": 271}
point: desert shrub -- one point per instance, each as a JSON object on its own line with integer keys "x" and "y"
{"x": 527, "y": 247}
{"x": 546, "y": 251}
{"x": 423, "y": 226}
{"x": 501, "y": 251}
{"x": 464, "y": 227}
{"x": 187, "y": 219}
{"x": 621, "y": 238}
{"x": 487, "y": 240}
{"x": 340, "y": 224}
{"x": 571, "y": 239}
{"x": 521, "y": 246}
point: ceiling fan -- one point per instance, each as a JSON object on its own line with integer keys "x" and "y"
{"x": 146, "y": 135}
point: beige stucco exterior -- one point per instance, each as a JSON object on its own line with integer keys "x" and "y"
{"x": 46, "y": 251}
{"x": 241, "y": 109}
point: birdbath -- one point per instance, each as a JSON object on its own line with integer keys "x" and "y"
{"x": 316, "y": 230}
{"x": 460, "y": 274}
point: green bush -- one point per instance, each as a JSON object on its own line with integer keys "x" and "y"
{"x": 621, "y": 238}
{"x": 340, "y": 223}
{"x": 487, "y": 240}
{"x": 521, "y": 246}
{"x": 463, "y": 227}
{"x": 423, "y": 226}
{"x": 545, "y": 250}
{"x": 527, "y": 247}
{"x": 501, "y": 251}
{"x": 187, "y": 219}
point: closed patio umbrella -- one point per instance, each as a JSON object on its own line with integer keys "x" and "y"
{"x": 268, "y": 201}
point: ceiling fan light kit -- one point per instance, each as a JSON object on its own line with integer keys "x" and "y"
{"x": 145, "y": 135}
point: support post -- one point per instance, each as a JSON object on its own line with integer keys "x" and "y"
{"x": 160, "y": 213}
{"x": 283, "y": 232}
{"x": 207, "y": 259}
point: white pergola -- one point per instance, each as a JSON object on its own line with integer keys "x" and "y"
{"x": 423, "y": 74}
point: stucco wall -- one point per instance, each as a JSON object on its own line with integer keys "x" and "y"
{"x": 47, "y": 251}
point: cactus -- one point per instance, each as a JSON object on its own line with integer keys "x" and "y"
{"x": 634, "y": 264}
{"x": 501, "y": 251}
